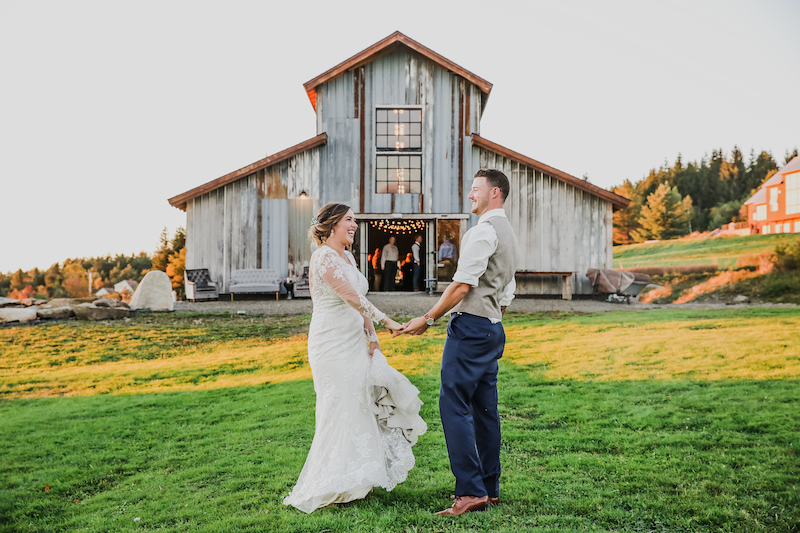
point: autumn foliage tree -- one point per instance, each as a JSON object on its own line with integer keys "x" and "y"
{"x": 665, "y": 215}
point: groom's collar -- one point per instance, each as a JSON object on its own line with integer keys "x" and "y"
{"x": 499, "y": 212}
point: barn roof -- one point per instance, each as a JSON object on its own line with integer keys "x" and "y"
{"x": 386, "y": 46}
{"x": 617, "y": 201}
{"x": 180, "y": 200}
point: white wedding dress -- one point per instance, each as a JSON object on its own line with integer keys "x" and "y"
{"x": 367, "y": 413}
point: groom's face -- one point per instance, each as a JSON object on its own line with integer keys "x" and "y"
{"x": 480, "y": 195}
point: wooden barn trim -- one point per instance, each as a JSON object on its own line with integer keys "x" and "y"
{"x": 383, "y": 47}
{"x": 180, "y": 200}
{"x": 617, "y": 201}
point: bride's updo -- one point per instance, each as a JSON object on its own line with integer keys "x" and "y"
{"x": 326, "y": 219}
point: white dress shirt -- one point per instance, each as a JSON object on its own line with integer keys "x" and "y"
{"x": 390, "y": 253}
{"x": 478, "y": 244}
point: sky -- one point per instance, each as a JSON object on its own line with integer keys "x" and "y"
{"x": 107, "y": 109}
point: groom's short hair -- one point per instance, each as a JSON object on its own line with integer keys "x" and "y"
{"x": 495, "y": 179}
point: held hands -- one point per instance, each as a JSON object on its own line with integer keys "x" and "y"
{"x": 415, "y": 326}
{"x": 391, "y": 325}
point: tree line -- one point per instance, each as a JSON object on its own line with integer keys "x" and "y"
{"x": 675, "y": 200}
{"x": 70, "y": 278}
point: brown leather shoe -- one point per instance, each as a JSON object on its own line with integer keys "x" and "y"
{"x": 466, "y": 504}
{"x": 494, "y": 501}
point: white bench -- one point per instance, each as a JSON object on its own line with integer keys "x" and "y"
{"x": 255, "y": 280}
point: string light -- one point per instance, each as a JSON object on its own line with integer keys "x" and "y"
{"x": 400, "y": 227}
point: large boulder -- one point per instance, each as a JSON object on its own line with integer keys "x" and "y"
{"x": 8, "y": 302}
{"x": 154, "y": 293}
{"x": 90, "y": 311}
{"x": 14, "y": 314}
{"x": 61, "y": 302}
{"x": 55, "y": 313}
{"x": 108, "y": 302}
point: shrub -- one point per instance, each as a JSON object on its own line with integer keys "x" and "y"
{"x": 787, "y": 255}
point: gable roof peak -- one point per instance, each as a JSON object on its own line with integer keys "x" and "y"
{"x": 382, "y": 47}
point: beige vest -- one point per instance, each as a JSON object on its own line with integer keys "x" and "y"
{"x": 484, "y": 300}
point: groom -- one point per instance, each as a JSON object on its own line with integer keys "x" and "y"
{"x": 482, "y": 288}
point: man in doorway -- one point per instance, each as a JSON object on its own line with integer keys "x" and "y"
{"x": 483, "y": 286}
{"x": 415, "y": 251}
{"x": 389, "y": 256}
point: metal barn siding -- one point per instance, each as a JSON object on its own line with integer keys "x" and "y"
{"x": 401, "y": 78}
{"x": 559, "y": 227}
{"x": 244, "y": 223}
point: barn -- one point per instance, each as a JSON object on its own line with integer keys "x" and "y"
{"x": 398, "y": 139}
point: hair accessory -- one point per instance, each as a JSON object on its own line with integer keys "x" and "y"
{"x": 314, "y": 221}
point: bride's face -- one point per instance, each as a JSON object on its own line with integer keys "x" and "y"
{"x": 345, "y": 230}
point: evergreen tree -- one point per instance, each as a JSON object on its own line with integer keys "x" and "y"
{"x": 665, "y": 215}
{"x": 161, "y": 256}
{"x": 789, "y": 156}
{"x": 627, "y": 220}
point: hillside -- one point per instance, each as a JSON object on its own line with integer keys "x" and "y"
{"x": 717, "y": 269}
{"x": 721, "y": 252}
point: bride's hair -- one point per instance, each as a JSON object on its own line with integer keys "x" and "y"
{"x": 327, "y": 218}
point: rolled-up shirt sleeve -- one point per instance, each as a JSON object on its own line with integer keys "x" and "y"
{"x": 508, "y": 294}
{"x": 478, "y": 245}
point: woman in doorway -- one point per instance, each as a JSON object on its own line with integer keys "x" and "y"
{"x": 355, "y": 447}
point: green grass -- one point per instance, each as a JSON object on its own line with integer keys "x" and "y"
{"x": 591, "y": 450}
{"x": 722, "y": 252}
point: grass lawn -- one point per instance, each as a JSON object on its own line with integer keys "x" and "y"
{"x": 722, "y": 252}
{"x": 654, "y": 421}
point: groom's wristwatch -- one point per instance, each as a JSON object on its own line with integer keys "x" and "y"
{"x": 429, "y": 319}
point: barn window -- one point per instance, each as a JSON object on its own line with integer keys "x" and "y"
{"x": 761, "y": 212}
{"x": 793, "y": 193}
{"x": 398, "y": 143}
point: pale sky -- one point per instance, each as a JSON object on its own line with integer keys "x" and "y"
{"x": 108, "y": 108}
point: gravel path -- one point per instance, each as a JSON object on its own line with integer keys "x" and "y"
{"x": 415, "y": 304}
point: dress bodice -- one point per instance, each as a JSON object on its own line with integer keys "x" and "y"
{"x": 337, "y": 283}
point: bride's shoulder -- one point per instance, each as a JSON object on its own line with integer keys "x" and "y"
{"x": 323, "y": 255}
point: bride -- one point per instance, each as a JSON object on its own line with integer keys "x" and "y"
{"x": 367, "y": 413}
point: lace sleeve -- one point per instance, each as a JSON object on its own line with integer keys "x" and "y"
{"x": 329, "y": 266}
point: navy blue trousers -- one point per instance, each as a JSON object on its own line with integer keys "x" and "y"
{"x": 468, "y": 403}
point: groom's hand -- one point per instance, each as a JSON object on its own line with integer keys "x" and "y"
{"x": 415, "y": 326}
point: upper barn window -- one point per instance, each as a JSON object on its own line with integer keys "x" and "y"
{"x": 398, "y": 141}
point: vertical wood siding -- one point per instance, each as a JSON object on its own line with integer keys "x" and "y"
{"x": 222, "y": 229}
{"x": 559, "y": 227}
{"x": 399, "y": 78}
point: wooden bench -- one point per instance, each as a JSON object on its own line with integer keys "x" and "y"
{"x": 566, "y": 280}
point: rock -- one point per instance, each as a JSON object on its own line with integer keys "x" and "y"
{"x": 27, "y": 302}
{"x": 8, "y": 302}
{"x": 82, "y": 310}
{"x": 9, "y": 314}
{"x": 55, "y": 313}
{"x": 154, "y": 293}
{"x": 108, "y": 302}
{"x": 741, "y": 299}
{"x": 61, "y": 302}
{"x": 106, "y": 313}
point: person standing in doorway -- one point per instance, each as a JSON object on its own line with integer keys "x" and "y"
{"x": 415, "y": 251}
{"x": 389, "y": 257}
{"x": 483, "y": 286}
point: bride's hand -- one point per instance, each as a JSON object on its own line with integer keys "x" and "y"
{"x": 372, "y": 347}
{"x": 391, "y": 325}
